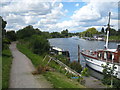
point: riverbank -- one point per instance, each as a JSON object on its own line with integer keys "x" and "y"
{"x": 111, "y": 39}
{"x": 21, "y": 72}
{"x": 56, "y": 78}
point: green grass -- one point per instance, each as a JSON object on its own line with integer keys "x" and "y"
{"x": 58, "y": 79}
{"x": 6, "y": 66}
{"x": 114, "y": 38}
{"x": 0, "y": 72}
{"x": 61, "y": 81}
{"x": 36, "y": 59}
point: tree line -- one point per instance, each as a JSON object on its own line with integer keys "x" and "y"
{"x": 90, "y": 32}
{"x": 30, "y": 32}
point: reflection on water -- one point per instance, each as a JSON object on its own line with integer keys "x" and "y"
{"x": 71, "y": 44}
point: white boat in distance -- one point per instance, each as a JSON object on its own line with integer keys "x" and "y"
{"x": 95, "y": 59}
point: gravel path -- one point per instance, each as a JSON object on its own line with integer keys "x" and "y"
{"x": 21, "y": 76}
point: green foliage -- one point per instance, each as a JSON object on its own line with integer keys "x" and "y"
{"x": 113, "y": 32}
{"x": 39, "y": 44}
{"x": 102, "y": 30}
{"x": 63, "y": 59}
{"x": 114, "y": 38}
{"x": 45, "y": 34}
{"x": 36, "y": 59}
{"x": 36, "y": 39}
{"x": 57, "y": 79}
{"x": 27, "y": 32}
{"x": 89, "y": 32}
{"x": 76, "y": 66}
{"x": 61, "y": 81}
{"x": 5, "y": 40}
{"x": 11, "y": 35}
{"x": 2, "y": 26}
{"x": 85, "y": 72}
{"x": 65, "y": 33}
{"x": 109, "y": 74}
{"x": 6, "y": 66}
{"x": 56, "y": 35}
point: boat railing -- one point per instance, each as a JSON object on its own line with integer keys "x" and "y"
{"x": 94, "y": 55}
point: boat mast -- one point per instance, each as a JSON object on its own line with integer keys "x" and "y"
{"x": 108, "y": 29}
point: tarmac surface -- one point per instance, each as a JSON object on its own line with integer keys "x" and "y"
{"x": 21, "y": 72}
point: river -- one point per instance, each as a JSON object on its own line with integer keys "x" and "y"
{"x": 71, "y": 45}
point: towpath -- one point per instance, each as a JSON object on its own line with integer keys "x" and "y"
{"x": 21, "y": 76}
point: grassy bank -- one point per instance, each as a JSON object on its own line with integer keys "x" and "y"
{"x": 61, "y": 81}
{"x": 0, "y": 72}
{"x": 6, "y": 66}
{"x": 58, "y": 79}
{"x": 114, "y": 38}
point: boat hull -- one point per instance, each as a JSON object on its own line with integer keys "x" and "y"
{"x": 97, "y": 65}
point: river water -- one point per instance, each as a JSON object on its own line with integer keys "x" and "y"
{"x": 71, "y": 45}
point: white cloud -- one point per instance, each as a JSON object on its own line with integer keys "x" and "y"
{"x": 31, "y": 12}
{"x": 77, "y": 4}
{"x": 47, "y": 15}
{"x": 86, "y": 13}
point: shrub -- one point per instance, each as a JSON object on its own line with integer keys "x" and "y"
{"x": 85, "y": 72}
{"x": 76, "y": 66}
{"x": 39, "y": 44}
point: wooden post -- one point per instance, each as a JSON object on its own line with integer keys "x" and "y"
{"x": 78, "y": 54}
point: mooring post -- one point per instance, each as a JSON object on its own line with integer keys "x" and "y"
{"x": 78, "y": 54}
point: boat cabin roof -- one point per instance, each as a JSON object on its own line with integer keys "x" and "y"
{"x": 58, "y": 49}
{"x": 110, "y": 50}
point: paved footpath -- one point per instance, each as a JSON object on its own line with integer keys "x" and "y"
{"x": 21, "y": 76}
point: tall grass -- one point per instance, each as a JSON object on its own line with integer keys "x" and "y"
{"x": 6, "y": 66}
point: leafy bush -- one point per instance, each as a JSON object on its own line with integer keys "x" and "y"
{"x": 5, "y": 43}
{"x": 28, "y": 31}
{"x": 39, "y": 44}
{"x": 76, "y": 66}
{"x": 11, "y": 35}
{"x": 85, "y": 72}
{"x": 108, "y": 73}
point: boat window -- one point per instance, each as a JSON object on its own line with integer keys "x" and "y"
{"x": 109, "y": 55}
{"x": 113, "y": 56}
{"x": 105, "y": 55}
{"x": 99, "y": 55}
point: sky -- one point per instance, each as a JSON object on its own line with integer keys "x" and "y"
{"x": 58, "y": 15}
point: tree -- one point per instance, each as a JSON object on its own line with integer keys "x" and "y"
{"x": 55, "y": 35}
{"x": 2, "y": 26}
{"x": 110, "y": 76}
{"x": 112, "y": 31}
{"x": 89, "y": 32}
{"x": 5, "y": 41}
{"x": 64, "y": 33}
{"x": 27, "y": 32}
{"x": 39, "y": 44}
{"x": 11, "y": 35}
{"x": 102, "y": 30}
